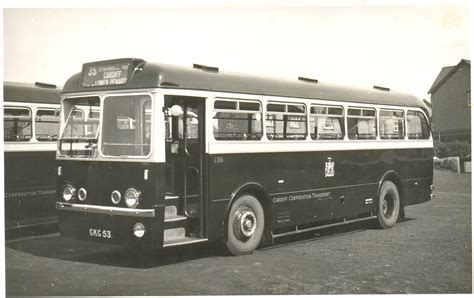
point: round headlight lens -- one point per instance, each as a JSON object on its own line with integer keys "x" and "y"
{"x": 138, "y": 230}
{"x": 132, "y": 197}
{"x": 82, "y": 194}
{"x": 116, "y": 196}
{"x": 69, "y": 192}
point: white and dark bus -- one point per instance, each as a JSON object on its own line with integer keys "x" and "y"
{"x": 182, "y": 155}
{"x": 30, "y": 133}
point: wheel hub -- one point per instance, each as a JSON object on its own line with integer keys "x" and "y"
{"x": 384, "y": 207}
{"x": 245, "y": 223}
{"x": 387, "y": 206}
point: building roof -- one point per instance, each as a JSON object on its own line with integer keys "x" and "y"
{"x": 25, "y": 92}
{"x": 153, "y": 75}
{"x": 445, "y": 73}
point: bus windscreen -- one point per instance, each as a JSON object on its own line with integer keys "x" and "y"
{"x": 80, "y": 134}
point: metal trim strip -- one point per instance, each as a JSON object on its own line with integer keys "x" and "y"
{"x": 185, "y": 242}
{"x": 297, "y": 231}
{"x": 325, "y": 188}
{"x": 240, "y": 147}
{"x": 105, "y": 210}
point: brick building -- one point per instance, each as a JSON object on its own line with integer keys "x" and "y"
{"x": 451, "y": 102}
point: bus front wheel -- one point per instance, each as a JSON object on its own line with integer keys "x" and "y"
{"x": 388, "y": 205}
{"x": 245, "y": 225}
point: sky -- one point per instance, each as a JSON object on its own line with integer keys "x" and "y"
{"x": 402, "y": 47}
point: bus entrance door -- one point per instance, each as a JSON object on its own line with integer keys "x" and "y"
{"x": 184, "y": 201}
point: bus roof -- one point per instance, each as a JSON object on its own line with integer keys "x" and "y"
{"x": 25, "y": 92}
{"x": 153, "y": 75}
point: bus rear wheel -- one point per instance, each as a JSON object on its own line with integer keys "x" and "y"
{"x": 388, "y": 205}
{"x": 245, "y": 225}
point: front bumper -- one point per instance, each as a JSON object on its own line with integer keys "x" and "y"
{"x": 107, "y": 224}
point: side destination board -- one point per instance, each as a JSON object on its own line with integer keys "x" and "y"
{"x": 105, "y": 75}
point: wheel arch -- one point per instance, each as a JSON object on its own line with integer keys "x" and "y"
{"x": 256, "y": 190}
{"x": 394, "y": 177}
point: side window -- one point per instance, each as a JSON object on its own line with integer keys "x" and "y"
{"x": 16, "y": 124}
{"x": 237, "y": 120}
{"x": 391, "y": 124}
{"x": 286, "y": 121}
{"x": 47, "y": 124}
{"x": 326, "y": 123}
{"x": 361, "y": 124}
{"x": 417, "y": 126}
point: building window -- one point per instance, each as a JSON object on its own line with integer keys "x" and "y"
{"x": 285, "y": 121}
{"x": 237, "y": 120}
{"x": 326, "y": 123}
{"x": 361, "y": 124}
{"x": 391, "y": 124}
{"x": 417, "y": 126}
{"x": 468, "y": 96}
{"x": 16, "y": 124}
{"x": 47, "y": 124}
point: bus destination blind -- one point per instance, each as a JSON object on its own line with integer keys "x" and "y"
{"x": 105, "y": 75}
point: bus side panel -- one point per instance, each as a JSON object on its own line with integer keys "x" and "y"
{"x": 304, "y": 186}
{"x": 418, "y": 175}
{"x": 414, "y": 167}
{"x": 227, "y": 173}
{"x": 30, "y": 188}
{"x": 364, "y": 169}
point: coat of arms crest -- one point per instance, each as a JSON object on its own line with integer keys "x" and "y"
{"x": 329, "y": 169}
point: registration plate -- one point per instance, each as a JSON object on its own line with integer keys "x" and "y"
{"x": 99, "y": 233}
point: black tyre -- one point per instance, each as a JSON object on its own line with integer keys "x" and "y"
{"x": 245, "y": 225}
{"x": 388, "y": 205}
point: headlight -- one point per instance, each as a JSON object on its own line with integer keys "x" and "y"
{"x": 138, "y": 230}
{"x": 82, "y": 194}
{"x": 69, "y": 192}
{"x": 116, "y": 196}
{"x": 132, "y": 197}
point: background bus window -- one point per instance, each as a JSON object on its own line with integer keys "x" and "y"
{"x": 326, "y": 123}
{"x": 417, "y": 126}
{"x": 237, "y": 120}
{"x": 286, "y": 121}
{"x": 391, "y": 124}
{"x": 361, "y": 124}
{"x": 47, "y": 124}
{"x": 16, "y": 124}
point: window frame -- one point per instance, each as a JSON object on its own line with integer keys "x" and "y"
{"x": 100, "y": 129}
{"x": 361, "y": 108}
{"x": 237, "y": 110}
{"x": 56, "y": 110}
{"x": 404, "y": 132}
{"x": 427, "y": 125}
{"x": 286, "y": 104}
{"x": 31, "y": 120}
{"x": 342, "y": 116}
